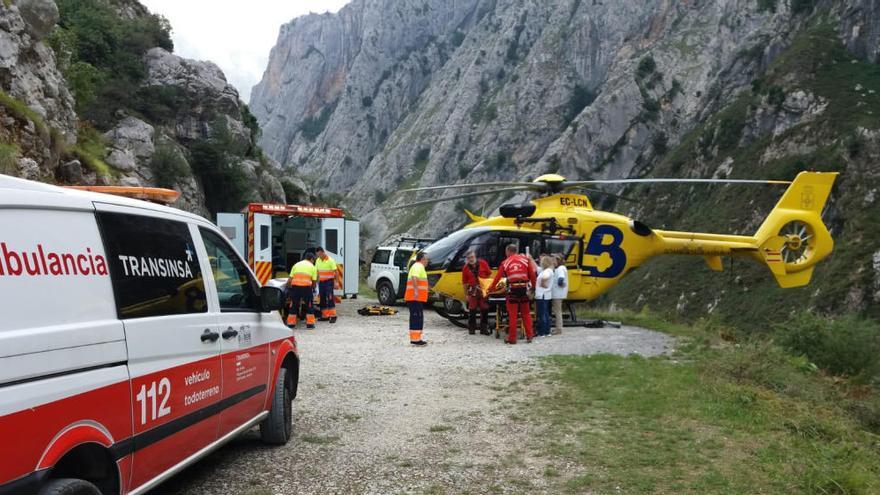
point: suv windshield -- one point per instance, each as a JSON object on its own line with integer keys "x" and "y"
{"x": 440, "y": 252}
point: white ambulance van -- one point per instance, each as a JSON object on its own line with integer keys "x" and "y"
{"x": 133, "y": 341}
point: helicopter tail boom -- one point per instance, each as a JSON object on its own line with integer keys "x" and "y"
{"x": 791, "y": 240}
{"x": 793, "y": 237}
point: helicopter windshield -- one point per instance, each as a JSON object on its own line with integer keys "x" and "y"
{"x": 440, "y": 251}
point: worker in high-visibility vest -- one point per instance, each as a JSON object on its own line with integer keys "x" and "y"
{"x": 303, "y": 277}
{"x": 416, "y": 296}
{"x": 326, "y": 280}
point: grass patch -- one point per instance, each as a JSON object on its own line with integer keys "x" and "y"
{"x": 8, "y": 158}
{"x": 20, "y": 110}
{"x": 364, "y": 290}
{"x": 440, "y": 428}
{"x": 91, "y": 151}
{"x": 714, "y": 418}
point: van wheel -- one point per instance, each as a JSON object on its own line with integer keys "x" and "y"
{"x": 386, "y": 293}
{"x": 69, "y": 486}
{"x": 277, "y": 428}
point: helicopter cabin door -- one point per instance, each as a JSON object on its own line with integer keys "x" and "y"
{"x": 570, "y": 248}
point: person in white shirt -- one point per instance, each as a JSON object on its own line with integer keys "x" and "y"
{"x": 543, "y": 289}
{"x": 559, "y": 291}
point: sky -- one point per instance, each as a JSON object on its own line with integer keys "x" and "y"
{"x": 235, "y": 35}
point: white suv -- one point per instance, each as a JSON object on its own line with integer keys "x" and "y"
{"x": 133, "y": 341}
{"x": 389, "y": 266}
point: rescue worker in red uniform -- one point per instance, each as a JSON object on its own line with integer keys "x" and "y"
{"x": 326, "y": 279}
{"x": 473, "y": 270}
{"x": 520, "y": 273}
{"x": 303, "y": 277}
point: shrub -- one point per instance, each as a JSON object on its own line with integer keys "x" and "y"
{"x": 646, "y": 67}
{"x": 580, "y": 98}
{"x": 102, "y": 54}
{"x": 225, "y": 182}
{"x": 846, "y": 346}
{"x": 168, "y": 165}
{"x": 249, "y": 121}
{"x": 767, "y": 5}
{"x": 651, "y": 108}
{"x": 8, "y": 159}
{"x": 217, "y": 163}
{"x": 457, "y": 38}
{"x": 313, "y": 126}
{"x": 84, "y": 80}
{"x": 367, "y": 101}
{"x": 729, "y": 133}
{"x": 776, "y": 96}
{"x": 20, "y": 110}
{"x": 499, "y": 161}
{"x": 91, "y": 151}
{"x": 660, "y": 144}
{"x": 422, "y": 157}
{"x": 160, "y": 104}
{"x": 802, "y": 6}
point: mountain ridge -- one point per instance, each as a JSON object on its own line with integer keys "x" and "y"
{"x": 513, "y": 89}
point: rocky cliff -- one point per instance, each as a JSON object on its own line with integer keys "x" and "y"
{"x": 387, "y": 94}
{"x": 120, "y": 111}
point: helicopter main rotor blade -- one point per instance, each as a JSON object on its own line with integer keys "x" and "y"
{"x": 529, "y": 185}
{"x": 458, "y": 196}
{"x": 573, "y": 184}
{"x": 606, "y": 193}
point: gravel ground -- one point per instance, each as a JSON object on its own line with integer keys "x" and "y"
{"x": 376, "y": 416}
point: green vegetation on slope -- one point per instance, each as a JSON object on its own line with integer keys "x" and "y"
{"x": 746, "y": 295}
{"x": 8, "y": 156}
{"x": 101, "y": 54}
{"x": 713, "y": 418}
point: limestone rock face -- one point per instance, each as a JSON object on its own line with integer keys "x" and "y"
{"x": 861, "y": 29}
{"x": 208, "y": 94}
{"x": 29, "y": 75}
{"x": 392, "y": 93}
{"x": 40, "y": 16}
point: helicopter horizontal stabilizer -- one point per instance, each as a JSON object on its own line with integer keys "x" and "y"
{"x": 793, "y": 238}
{"x": 473, "y": 216}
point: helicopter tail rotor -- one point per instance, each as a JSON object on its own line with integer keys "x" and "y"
{"x": 793, "y": 238}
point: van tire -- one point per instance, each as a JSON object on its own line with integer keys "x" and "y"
{"x": 69, "y": 486}
{"x": 386, "y": 294}
{"x": 277, "y": 428}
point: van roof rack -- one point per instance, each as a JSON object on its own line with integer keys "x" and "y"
{"x": 415, "y": 241}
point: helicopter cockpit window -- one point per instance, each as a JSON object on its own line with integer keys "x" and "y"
{"x": 486, "y": 246}
{"x": 440, "y": 252}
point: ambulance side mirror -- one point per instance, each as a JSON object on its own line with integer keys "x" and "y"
{"x": 271, "y": 298}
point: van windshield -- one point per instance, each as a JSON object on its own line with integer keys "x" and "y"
{"x": 440, "y": 251}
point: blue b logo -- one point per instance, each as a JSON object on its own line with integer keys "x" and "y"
{"x": 596, "y": 247}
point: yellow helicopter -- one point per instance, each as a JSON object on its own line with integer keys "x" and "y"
{"x": 601, "y": 247}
